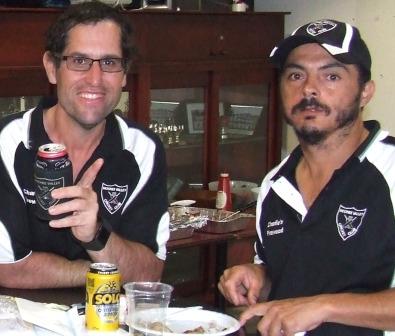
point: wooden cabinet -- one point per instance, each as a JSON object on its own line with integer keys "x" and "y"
{"x": 217, "y": 61}
{"x": 201, "y": 37}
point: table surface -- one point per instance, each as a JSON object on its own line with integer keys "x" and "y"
{"x": 68, "y": 296}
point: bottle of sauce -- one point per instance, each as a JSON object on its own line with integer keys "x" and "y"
{"x": 224, "y": 195}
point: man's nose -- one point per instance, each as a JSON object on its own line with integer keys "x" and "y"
{"x": 311, "y": 88}
{"x": 94, "y": 74}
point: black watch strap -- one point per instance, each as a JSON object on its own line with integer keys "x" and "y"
{"x": 99, "y": 242}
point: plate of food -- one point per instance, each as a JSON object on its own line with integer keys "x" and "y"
{"x": 183, "y": 321}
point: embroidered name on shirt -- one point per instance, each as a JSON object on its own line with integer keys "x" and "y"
{"x": 29, "y": 196}
{"x": 275, "y": 227}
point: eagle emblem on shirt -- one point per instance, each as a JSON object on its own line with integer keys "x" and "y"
{"x": 113, "y": 196}
{"x": 349, "y": 220}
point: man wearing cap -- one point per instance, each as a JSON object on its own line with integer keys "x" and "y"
{"x": 325, "y": 257}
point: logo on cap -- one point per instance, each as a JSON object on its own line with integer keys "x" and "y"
{"x": 320, "y": 27}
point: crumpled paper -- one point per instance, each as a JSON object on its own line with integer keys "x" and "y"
{"x": 48, "y": 316}
{"x": 11, "y": 322}
{"x": 21, "y": 317}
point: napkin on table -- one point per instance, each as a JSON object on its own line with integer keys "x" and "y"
{"x": 51, "y": 321}
{"x": 47, "y": 316}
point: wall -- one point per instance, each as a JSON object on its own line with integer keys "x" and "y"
{"x": 376, "y": 21}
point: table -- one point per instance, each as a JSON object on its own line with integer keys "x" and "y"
{"x": 221, "y": 243}
{"x": 68, "y": 296}
{"x": 203, "y": 238}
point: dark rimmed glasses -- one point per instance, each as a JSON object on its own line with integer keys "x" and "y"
{"x": 82, "y": 63}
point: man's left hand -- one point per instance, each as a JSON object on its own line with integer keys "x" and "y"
{"x": 287, "y": 317}
{"x": 82, "y": 205}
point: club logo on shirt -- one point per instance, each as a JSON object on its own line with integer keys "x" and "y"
{"x": 113, "y": 196}
{"x": 348, "y": 221}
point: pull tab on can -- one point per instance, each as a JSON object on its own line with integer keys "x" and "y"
{"x": 224, "y": 196}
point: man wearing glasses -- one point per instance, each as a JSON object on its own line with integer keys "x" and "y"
{"x": 116, "y": 210}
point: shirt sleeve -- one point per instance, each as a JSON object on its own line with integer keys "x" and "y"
{"x": 148, "y": 211}
{"x": 145, "y": 218}
{"x": 14, "y": 228}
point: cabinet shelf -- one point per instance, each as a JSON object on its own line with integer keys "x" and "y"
{"x": 222, "y": 142}
{"x": 242, "y": 140}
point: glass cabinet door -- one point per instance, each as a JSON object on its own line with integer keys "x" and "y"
{"x": 9, "y": 105}
{"x": 242, "y": 134}
{"x": 242, "y": 131}
{"x": 122, "y": 107}
{"x": 177, "y": 116}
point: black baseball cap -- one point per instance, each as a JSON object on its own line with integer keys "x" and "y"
{"x": 342, "y": 40}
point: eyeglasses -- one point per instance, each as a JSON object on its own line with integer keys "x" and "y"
{"x": 81, "y": 63}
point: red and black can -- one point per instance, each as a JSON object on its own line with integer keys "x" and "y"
{"x": 52, "y": 169}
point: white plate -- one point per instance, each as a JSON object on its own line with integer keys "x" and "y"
{"x": 215, "y": 324}
{"x": 183, "y": 203}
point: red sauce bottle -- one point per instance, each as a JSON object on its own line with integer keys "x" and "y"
{"x": 224, "y": 195}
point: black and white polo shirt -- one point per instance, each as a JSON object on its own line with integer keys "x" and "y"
{"x": 345, "y": 242}
{"x": 131, "y": 187}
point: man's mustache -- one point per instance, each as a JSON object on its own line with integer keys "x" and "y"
{"x": 310, "y": 103}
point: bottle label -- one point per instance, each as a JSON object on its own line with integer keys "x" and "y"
{"x": 220, "y": 201}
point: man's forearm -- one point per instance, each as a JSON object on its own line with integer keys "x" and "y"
{"x": 44, "y": 270}
{"x": 376, "y": 310}
{"x": 135, "y": 261}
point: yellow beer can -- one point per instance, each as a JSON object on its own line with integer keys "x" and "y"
{"x": 103, "y": 283}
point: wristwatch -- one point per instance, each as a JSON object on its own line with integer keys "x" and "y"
{"x": 99, "y": 242}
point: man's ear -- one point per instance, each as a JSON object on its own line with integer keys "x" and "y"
{"x": 50, "y": 67}
{"x": 367, "y": 92}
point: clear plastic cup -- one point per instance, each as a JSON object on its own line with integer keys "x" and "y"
{"x": 147, "y": 304}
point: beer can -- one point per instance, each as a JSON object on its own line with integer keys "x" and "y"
{"x": 103, "y": 283}
{"x": 52, "y": 169}
{"x": 224, "y": 196}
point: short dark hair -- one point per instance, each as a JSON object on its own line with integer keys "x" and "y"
{"x": 364, "y": 75}
{"x": 87, "y": 13}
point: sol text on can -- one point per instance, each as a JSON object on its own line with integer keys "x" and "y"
{"x": 102, "y": 297}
